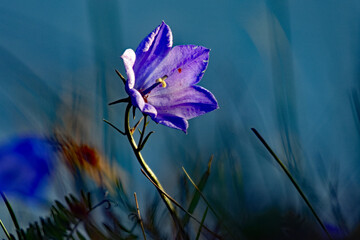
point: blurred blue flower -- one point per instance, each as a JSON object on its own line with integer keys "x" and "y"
{"x": 161, "y": 79}
{"x": 336, "y": 231}
{"x": 25, "y": 163}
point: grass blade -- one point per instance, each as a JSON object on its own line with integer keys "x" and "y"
{"x": 284, "y": 168}
{"x": 5, "y": 231}
{"x": 202, "y": 223}
{"x": 196, "y": 196}
{"x": 139, "y": 216}
{"x": 201, "y": 194}
{"x": 12, "y": 214}
{"x": 179, "y": 206}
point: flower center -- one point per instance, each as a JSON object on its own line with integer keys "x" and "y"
{"x": 157, "y": 83}
{"x": 162, "y": 81}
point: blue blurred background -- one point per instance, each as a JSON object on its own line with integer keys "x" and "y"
{"x": 290, "y": 69}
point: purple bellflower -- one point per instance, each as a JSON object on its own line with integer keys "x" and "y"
{"x": 161, "y": 79}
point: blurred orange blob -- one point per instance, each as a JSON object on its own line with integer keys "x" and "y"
{"x": 84, "y": 159}
{"x": 88, "y": 155}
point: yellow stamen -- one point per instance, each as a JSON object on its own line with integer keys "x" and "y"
{"x": 162, "y": 81}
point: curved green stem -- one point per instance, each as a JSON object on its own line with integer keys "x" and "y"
{"x": 143, "y": 164}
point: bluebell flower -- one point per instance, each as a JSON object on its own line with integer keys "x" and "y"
{"x": 161, "y": 80}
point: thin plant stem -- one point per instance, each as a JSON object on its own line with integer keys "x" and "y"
{"x": 139, "y": 216}
{"x": 148, "y": 170}
{"x": 201, "y": 194}
{"x": 141, "y": 160}
{"x": 12, "y": 214}
{"x": 284, "y": 168}
{"x": 5, "y": 230}
{"x": 121, "y": 76}
{"x": 205, "y": 200}
{"x": 143, "y": 131}
{"x": 120, "y": 101}
{"x": 69, "y": 236}
{"x": 112, "y": 125}
{"x": 178, "y": 205}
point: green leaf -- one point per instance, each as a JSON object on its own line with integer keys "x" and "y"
{"x": 202, "y": 223}
{"x": 196, "y": 195}
{"x": 80, "y": 236}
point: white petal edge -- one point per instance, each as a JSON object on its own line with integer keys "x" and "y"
{"x": 129, "y": 58}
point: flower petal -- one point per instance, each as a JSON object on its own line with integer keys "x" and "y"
{"x": 186, "y": 103}
{"x": 129, "y": 58}
{"x": 138, "y": 101}
{"x": 172, "y": 121}
{"x": 150, "y": 52}
{"x": 185, "y": 65}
